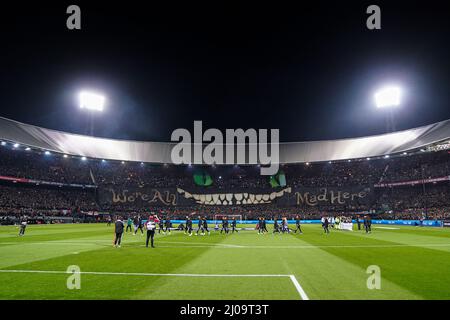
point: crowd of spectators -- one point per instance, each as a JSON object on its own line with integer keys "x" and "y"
{"x": 407, "y": 201}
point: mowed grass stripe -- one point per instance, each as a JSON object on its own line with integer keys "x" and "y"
{"x": 412, "y": 267}
{"x": 324, "y": 273}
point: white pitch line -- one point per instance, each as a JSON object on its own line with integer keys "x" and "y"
{"x": 299, "y": 287}
{"x": 147, "y": 274}
{"x": 230, "y": 246}
{"x": 388, "y": 228}
{"x": 309, "y": 246}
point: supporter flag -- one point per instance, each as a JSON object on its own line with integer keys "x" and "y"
{"x": 278, "y": 180}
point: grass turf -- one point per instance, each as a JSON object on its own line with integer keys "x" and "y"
{"x": 414, "y": 263}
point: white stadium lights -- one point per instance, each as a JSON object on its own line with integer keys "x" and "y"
{"x": 386, "y": 156}
{"x": 27, "y": 149}
{"x": 83, "y": 158}
{"x": 388, "y": 97}
{"x": 91, "y": 101}
{"x": 3, "y": 143}
{"x": 47, "y": 153}
{"x": 367, "y": 158}
{"x": 16, "y": 145}
{"x": 65, "y": 156}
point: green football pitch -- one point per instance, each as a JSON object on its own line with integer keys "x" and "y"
{"x": 414, "y": 263}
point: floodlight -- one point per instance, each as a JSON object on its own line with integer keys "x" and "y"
{"x": 47, "y": 153}
{"x": 27, "y": 149}
{"x": 91, "y": 101}
{"x": 83, "y": 158}
{"x": 65, "y": 156}
{"x": 3, "y": 143}
{"x": 388, "y": 97}
{"x": 16, "y": 145}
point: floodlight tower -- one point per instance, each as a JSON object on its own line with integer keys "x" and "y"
{"x": 91, "y": 102}
{"x": 388, "y": 97}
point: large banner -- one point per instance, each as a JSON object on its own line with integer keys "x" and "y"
{"x": 304, "y": 197}
{"x": 140, "y": 197}
{"x": 331, "y": 196}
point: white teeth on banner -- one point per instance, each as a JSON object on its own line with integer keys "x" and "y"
{"x": 233, "y": 198}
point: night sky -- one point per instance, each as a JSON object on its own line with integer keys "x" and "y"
{"x": 310, "y": 70}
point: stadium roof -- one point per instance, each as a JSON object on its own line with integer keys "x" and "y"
{"x": 160, "y": 152}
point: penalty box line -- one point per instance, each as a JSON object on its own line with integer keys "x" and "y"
{"x": 294, "y": 280}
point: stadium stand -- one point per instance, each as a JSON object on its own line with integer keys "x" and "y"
{"x": 33, "y": 183}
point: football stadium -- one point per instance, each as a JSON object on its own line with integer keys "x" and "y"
{"x": 220, "y": 159}
{"x": 334, "y": 218}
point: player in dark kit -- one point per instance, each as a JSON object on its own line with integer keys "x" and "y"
{"x": 118, "y": 232}
{"x": 205, "y": 225}
{"x": 260, "y": 226}
{"x": 276, "y": 227}
{"x": 264, "y": 226}
{"x": 233, "y": 225}
{"x": 140, "y": 225}
{"x": 188, "y": 226}
{"x": 297, "y": 225}
{"x": 199, "y": 226}
{"x": 224, "y": 225}
{"x": 168, "y": 224}
{"x": 325, "y": 226}
{"x": 358, "y": 221}
{"x": 368, "y": 224}
{"x": 161, "y": 226}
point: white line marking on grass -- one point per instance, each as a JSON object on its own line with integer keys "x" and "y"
{"x": 203, "y": 244}
{"x": 310, "y": 246}
{"x": 388, "y": 228}
{"x": 230, "y": 246}
{"x": 297, "y": 285}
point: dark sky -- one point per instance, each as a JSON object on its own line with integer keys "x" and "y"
{"x": 308, "y": 69}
